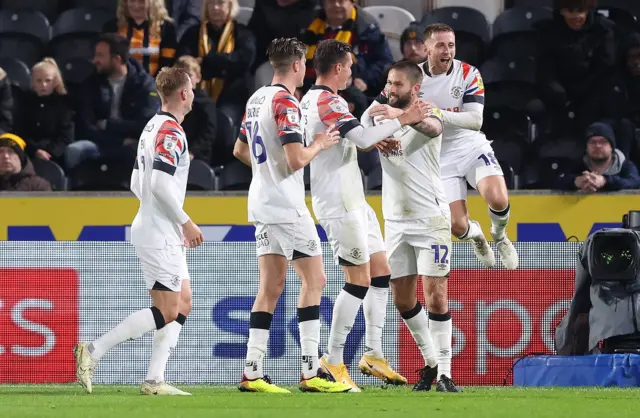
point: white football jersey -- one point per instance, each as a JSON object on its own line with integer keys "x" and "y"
{"x": 336, "y": 181}
{"x": 162, "y": 146}
{"x": 411, "y": 185}
{"x": 451, "y": 91}
{"x": 272, "y": 120}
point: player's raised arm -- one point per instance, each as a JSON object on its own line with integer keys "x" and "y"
{"x": 241, "y": 147}
{"x": 470, "y": 116}
{"x": 169, "y": 148}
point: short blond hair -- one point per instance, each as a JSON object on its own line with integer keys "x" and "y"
{"x": 51, "y": 63}
{"x": 171, "y": 80}
{"x": 189, "y": 63}
{"x": 233, "y": 10}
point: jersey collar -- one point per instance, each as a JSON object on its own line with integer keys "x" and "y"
{"x": 280, "y": 85}
{"x": 321, "y": 87}
{"x": 425, "y": 68}
{"x": 163, "y": 113}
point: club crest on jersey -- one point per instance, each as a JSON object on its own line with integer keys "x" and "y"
{"x": 292, "y": 116}
{"x": 456, "y": 92}
{"x": 170, "y": 142}
{"x": 337, "y": 106}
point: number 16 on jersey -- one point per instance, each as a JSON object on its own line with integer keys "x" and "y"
{"x": 258, "y": 149}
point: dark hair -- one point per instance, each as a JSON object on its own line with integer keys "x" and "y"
{"x": 412, "y": 71}
{"x": 283, "y": 51}
{"x": 434, "y": 28}
{"x": 329, "y": 53}
{"x": 118, "y": 45}
{"x": 575, "y": 4}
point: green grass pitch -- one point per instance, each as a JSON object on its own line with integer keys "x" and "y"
{"x": 69, "y": 401}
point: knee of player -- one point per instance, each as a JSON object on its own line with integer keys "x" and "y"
{"x": 186, "y": 304}
{"x": 274, "y": 289}
{"x": 170, "y": 313}
{"x": 459, "y": 226}
{"x": 438, "y": 302}
{"x": 404, "y": 304}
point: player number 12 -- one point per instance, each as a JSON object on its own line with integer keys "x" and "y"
{"x": 436, "y": 251}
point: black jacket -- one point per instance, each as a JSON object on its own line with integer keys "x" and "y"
{"x": 139, "y": 103}
{"x": 184, "y": 13}
{"x": 45, "y": 123}
{"x": 632, "y": 84}
{"x": 200, "y": 126}
{"x": 6, "y": 106}
{"x": 270, "y": 21}
{"x": 234, "y": 67}
{"x": 578, "y": 60}
{"x": 622, "y": 175}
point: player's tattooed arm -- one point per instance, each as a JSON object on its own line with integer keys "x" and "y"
{"x": 431, "y": 126}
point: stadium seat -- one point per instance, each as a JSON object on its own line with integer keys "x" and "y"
{"x": 529, "y": 3}
{"x": 75, "y": 32}
{"x": 509, "y": 82}
{"x": 51, "y": 172}
{"x": 553, "y": 146}
{"x": 508, "y": 174}
{"x": 625, "y": 19}
{"x": 234, "y": 176}
{"x": 227, "y": 133}
{"x": 264, "y": 75}
{"x": 23, "y": 35}
{"x": 543, "y": 173}
{"x": 509, "y": 129}
{"x": 247, "y": 3}
{"x": 201, "y": 176}
{"x": 393, "y": 21}
{"x": 412, "y": 6}
{"x": 49, "y": 8}
{"x": 374, "y": 179}
{"x": 514, "y": 32}
{"x": 368, "y": 161}
{"x": 18, "y": 73}
{"x": 471, "y": 27}
{"x": 75, "y": 70}
{"x": 244, "y": 15}
{"x": 108, "y": 5}
{"x": 103, "y": 174}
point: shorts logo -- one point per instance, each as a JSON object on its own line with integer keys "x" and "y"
{"x": 356, "y": 253}
{"x": 175, "y": 281}
{"x": 262, "y": 240}
{"x": 312, "y": 245}
{"x": 456, "y": 92}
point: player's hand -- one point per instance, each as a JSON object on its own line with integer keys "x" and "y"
{"x": 327, "y": 139}
{"x": 43, "y": 155}
{"x": 385, "y": 112}
{"x": 192, "y": 235}
{"x": 415, "y": 113}
{"x": 388, "y": 145}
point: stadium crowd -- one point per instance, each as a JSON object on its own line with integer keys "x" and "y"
{"x": 77, "y": 87}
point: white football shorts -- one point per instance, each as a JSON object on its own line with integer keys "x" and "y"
{"x": 474, "y": 167}
{"x": 167, "y": 266}
{"x": 354, "y": 237}
{"x": 420, "y": 246}
{"x": 291, "y": 240}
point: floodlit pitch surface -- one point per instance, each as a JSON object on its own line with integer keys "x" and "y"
{"x": 69, "y": 401}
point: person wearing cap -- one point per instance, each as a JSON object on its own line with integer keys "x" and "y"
{"x": 412, "y": 44}
{"x": 16, "y": 171}
{"x": 604, "y": 167}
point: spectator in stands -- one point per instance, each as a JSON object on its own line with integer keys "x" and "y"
{"x": 45, "y": 116}
{"x": 6, "y": 103}
{"x": 150, "y": 30}
{"x": 273, "y": 19}
{"x": 355, "y": 98}
{"x": 344, "y": 21}
{"x": 576, "y": 65}
{"x": 225, "y": 50}
{"x": 115, "y": 104}
{"x": 604, "y": 168}
{"x": 200, "y": 124}
{"x": 16, "y": 171}
{"x": 412, "y": 43}
{"x": 185, "y": 13}
{"x": 630, "y": 49}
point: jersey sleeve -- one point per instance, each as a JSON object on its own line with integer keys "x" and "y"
{"x": 287, "y": 116}
{"x": 242, "y": 136}
{"x": 169, "y": 148}
{"x": 333, "y": 110}
{"x": 382, "y": 97}
{"x": 473, "y": 85}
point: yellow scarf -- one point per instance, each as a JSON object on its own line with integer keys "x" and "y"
{"x": 319, "y": 26}
{"x": 226, "y": 45}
